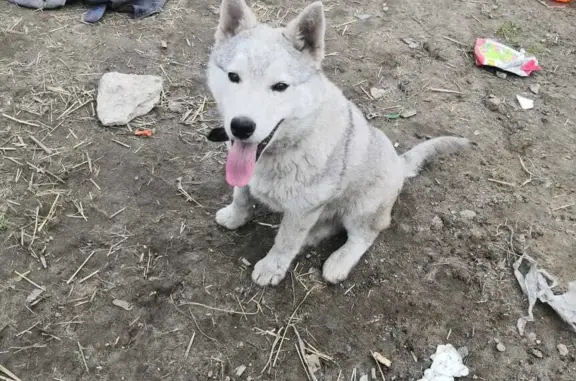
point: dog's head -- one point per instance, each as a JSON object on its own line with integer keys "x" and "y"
{"x": 261, "y": 76}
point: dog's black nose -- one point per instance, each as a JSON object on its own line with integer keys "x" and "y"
{"x": 242, "y": 127}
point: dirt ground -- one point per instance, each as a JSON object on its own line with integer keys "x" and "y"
{"x": 104, "y": 202}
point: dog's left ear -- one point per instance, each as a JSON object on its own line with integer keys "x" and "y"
{"x": 307, "y": 31}
{"x": 235, "y": 16}
{"x": 218, "y": 135}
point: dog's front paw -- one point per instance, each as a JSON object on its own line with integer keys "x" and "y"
{"x": 269, "y": 271}
{"x": 231, "y": 217}
{"x": 336, "y": 269}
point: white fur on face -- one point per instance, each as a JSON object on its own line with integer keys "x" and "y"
{"x": 262, "y": 57}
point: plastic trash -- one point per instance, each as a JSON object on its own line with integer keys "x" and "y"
{"x": 447, "y": 364}
{"x": 492, "y": 53}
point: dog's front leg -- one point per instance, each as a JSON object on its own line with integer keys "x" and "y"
{"x": 239, "y": 212}
{"x": 291, "y": 236}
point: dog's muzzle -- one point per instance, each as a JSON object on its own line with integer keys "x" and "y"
{"x": 219, "y": 135}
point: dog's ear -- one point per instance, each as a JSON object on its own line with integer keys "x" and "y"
{"x": 235, "y": 16}
{"x": 307, "y": 31}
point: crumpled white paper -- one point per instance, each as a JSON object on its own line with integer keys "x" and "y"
{"x": 447, "y": 364}
{"x": 537, "y": 284}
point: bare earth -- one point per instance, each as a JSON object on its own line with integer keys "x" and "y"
{"x": 424, "y": 283}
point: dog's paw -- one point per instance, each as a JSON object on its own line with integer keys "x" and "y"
{"x": 336, "y": 269}
{"x": 268, "y": 272}
{"x": 231, "y": 217}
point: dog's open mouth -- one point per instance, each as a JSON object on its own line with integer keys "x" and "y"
{"x": 219, "y": 135}
{"x": 242, "y": 156}
{"x": 265, "y": 142}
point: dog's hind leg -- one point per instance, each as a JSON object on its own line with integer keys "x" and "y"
{"x": 362, "y": 231}
{"x": 239, "y": 212}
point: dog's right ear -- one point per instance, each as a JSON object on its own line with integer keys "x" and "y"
{"x": 235, "y": 16}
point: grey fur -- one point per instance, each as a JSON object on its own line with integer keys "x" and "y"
{"x": 325, "y": 168}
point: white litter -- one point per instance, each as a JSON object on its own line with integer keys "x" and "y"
{"x": 525, "y": 103}
{"x": 537, "y": 284}
{"x": 447, "y": 364}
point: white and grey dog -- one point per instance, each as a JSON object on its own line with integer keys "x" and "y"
{"x": 299, "y": 146}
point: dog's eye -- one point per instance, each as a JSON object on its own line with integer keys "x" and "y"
{"x": 234, "y": 77}
{"x": 280, "y": 86}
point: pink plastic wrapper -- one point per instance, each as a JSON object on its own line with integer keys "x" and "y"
{"x": 492, "y": 53}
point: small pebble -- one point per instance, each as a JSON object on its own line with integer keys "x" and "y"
{"x": 535, "y": 88}
{"x": 377, "y": 93}
{"x": 468, "y": 214}
{"x": 500, "y": 347}
{"x": 245, "y": 261}
{"x": 240, "y": 370}
{"x": 122, "y": 304}
{"x": 563, "y": 350}
{"x": 501, "y": 74}
{"x": 408, "y": 113}
{"x": 538, "y": 353}
{"x": 437, "y": 223}
{"x": 496, "y": 104}
{"x": 410, "y": 42}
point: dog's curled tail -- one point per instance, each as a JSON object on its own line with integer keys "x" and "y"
{"x": 423, "y": 153}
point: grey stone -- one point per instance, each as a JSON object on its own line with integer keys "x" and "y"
{"x": 123, "y": 97}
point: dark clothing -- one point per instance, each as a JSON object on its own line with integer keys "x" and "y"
{"x": 96, "y": 8}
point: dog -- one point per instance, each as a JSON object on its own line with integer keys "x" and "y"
{"x": 298, "y": 146}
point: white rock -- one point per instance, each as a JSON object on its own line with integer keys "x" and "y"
{"x": 123, "y": 97}
{"x": 563, "y": 350}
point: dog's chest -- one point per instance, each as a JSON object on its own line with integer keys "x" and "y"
{"x": 293, "y": 184}
{"x": 275, "y": 192}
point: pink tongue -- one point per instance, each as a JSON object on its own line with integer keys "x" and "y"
{"x": 241, "y": 163}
